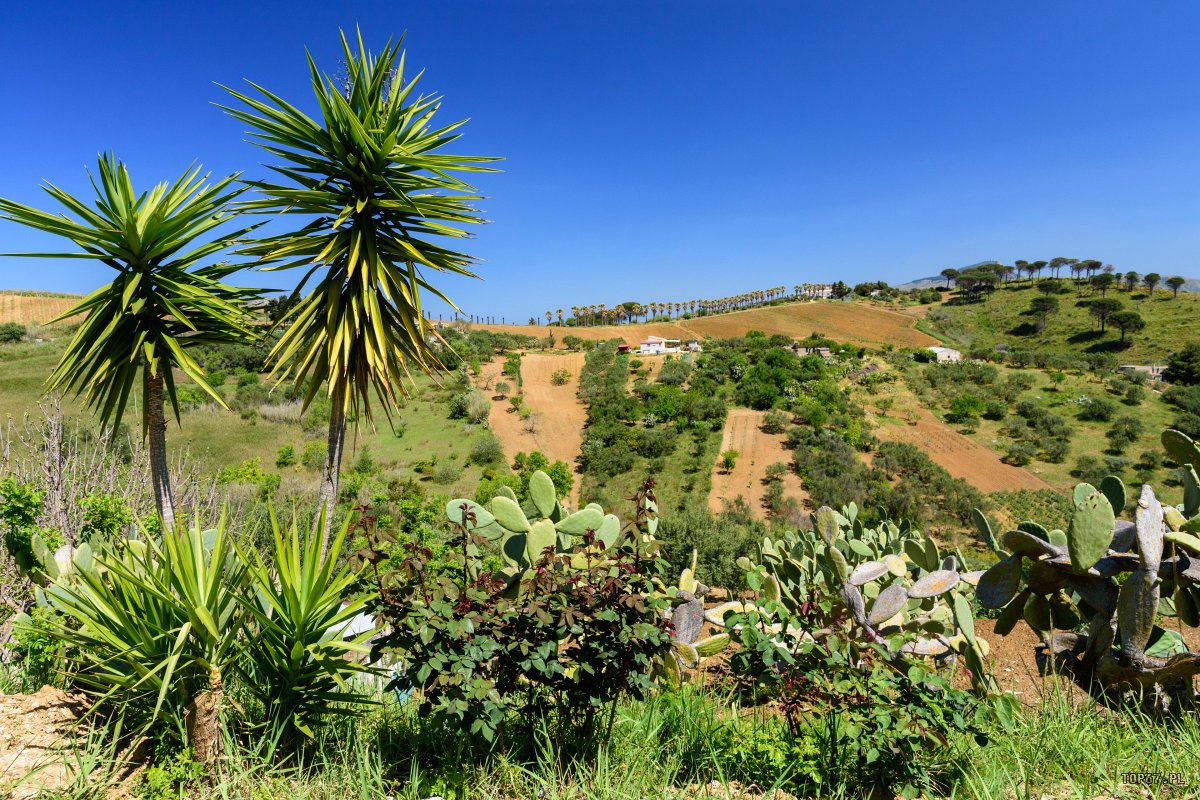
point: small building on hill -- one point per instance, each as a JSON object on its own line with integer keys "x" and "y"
{"x": 1152, "y": 371}
{"x": 657, "y": 345}
{"x": 945, "y": 355}
{"x": 824, "y": 352}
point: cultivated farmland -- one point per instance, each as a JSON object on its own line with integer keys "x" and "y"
{"x": 29, "y": 308}
{"x": 855, "y": 323}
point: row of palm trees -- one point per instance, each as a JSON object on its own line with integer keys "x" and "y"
{"x": 601, "y": 314}
{"x": 372, "y": 196}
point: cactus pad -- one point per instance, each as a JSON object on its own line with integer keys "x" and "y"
{"x": 542, "y": 493}
{"x": 1136, "y": 607}
{"x": 1090, "y": 531}
{"x": 1114, "y": 489}
{"x": 1181, "y": 448}
{"x": 935, "y": 583}
{"x": 889, "y": 603}
{"x": 867, "y": 571}
{"x": 540, "y": 536}
{"x": 1027, "y": 544}
{"x": 509, "y": 514}
{"x": 1150, "y": 529}
{"x": 1000, "y": 583}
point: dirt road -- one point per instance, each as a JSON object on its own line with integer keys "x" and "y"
{"x": 556, "y": 425}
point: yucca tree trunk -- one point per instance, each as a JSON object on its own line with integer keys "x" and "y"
{"x": 156, "y": 435}
{"x": 336, "y": 443}
{"x": 202, "y": 722}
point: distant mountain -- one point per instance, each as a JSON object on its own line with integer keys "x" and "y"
{"x": 938, "y": 280}
{"x": 1190, "y": 284}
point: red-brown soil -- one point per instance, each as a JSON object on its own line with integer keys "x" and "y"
{"x": 756, "y": 452}
{"x": 960, "y": 455}
{"x": 857, "y": 323}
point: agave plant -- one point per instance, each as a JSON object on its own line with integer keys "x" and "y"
{"x": 164, "y": 300}
{"x": 164, "y": 627}
{"x": 372, "y": 188}
{"x": 301, "y": 662}
{"x": 156, "y": 625}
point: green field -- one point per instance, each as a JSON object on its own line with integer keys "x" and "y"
{"x": 214, "y": 437}
{"x": 1004, "y": 318}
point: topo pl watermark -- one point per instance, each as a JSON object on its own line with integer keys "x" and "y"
{"x": 1153, "y": 778}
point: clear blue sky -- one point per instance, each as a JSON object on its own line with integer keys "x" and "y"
{"x": 674, "y": 150}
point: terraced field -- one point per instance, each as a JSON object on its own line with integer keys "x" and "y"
{"x": 34, "y": 308}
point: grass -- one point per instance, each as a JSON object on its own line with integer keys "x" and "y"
{"x": 681, "y": 745}
{"x": 1003, "y": 318}
{"x": 216, "y": 438}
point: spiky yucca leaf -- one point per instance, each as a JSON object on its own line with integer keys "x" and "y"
{"x": 164, "y": 298}
{"x": 372, "y": 186}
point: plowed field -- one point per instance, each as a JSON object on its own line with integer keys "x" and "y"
{"x": 756, "y": 452}
{"x": 856, "y": 323}
{"x": 960, "y": 455}
{"x": 556, "y": 425}
{"x": 32, "y": 308}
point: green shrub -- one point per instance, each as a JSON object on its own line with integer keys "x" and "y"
{"x": 502, "y": 657}
{"x": 314, "y": 454}
{"x": 965, "y": 408}
{"x": 1019, "y": 454}
{"x": 106, "y": 516}
{"x": 718, "y": 539}
{"x": 286, "y": 457}
{"x": 447, "y": 473}
{"x": 560, "y": 377}
{"x": 486, "y": 450}
{"x": 20, "y": 506}
{"x": 250, "y": 471}
{"x": 11, "y": 332}
{"x": 1134, "y": 395}
{"x": 1098, "y": 409}
{"x": 38, "y": 650}
{"x": 1124, "y": 432}
{"x": 775, "y": 421}
{"x": 873, "y": 729}
{"x": 169, "y": 775}
{"x": 490, "y": 487}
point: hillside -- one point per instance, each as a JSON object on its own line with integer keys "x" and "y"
{"x": 34, "y": 308}
{"x": 1004, "y": 318}
{"x": 854, "y": 323}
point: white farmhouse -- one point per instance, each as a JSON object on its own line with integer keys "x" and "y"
{"x": 945, "y": 354}
{"x": 657, "y": 345}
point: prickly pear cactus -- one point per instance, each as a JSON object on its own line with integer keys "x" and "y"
{"x": 687, "y": 615}
{"x": 524, "y": 532}
{"x": 1094, "y": 601}
{"x": 889, "y": 584}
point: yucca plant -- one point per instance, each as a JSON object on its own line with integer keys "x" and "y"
{"x": 162, "y": 629}
{"x": 164, "y": 299}
{"x": 371, "y": 188}
{"x": 300, "y": 663}
{"x": 157, "y": 627}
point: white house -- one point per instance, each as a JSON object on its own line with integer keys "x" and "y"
{"x": 945, "y": 354}
{"x": 1152, "y": 371}
{"x": 657, "y": 345}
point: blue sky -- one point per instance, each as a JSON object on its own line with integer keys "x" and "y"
{"x": 674, "y": 150}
